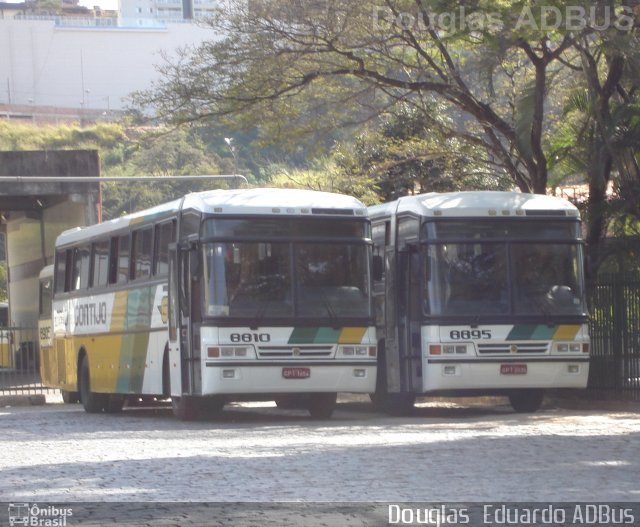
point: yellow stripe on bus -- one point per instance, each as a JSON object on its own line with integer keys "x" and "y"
{"x": 566, "y": 332}
{"x": 351, "y": 335}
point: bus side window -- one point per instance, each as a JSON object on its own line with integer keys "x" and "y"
{"x": 45, "y": 299}
{"x": 61, "y": 271}
{"x": 81, "y": 267}
{"x": 100, "y": 263}
{"x": 165, "y": 234}
{"x": 141, "y": 253}
{"x": 122, "y": 265}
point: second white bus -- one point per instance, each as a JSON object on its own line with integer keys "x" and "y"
{"x": 478, "y": 293}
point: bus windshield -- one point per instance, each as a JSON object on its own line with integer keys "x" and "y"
{"x": 504, "y": 278}
{"x": 283, "y": 279}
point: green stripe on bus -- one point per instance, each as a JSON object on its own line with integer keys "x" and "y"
{"x": 327, "y": 336}
{"x": 532, "y": 332}
{"x": 303, "y": 335}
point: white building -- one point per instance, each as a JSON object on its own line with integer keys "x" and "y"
{"x": 68, "y": 64}
{"x": 138, "y": 11}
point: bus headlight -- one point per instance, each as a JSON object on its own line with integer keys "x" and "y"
{"x": 216, "y": 352}
{"x": 355, "y": 351}
{"x": 572, "y": 347}
{"x": 458, "y": 349}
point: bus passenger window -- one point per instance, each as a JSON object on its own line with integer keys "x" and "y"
{"x": 81, "y": 266}
{"x": 61, "y": 271}
{"x": 165, "y": 234}
{"x": 141, "y": 254}
{"x": 100, "y": 263}
{"x": 120, "y": 255}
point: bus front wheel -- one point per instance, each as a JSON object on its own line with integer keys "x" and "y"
{"x": 526, "y": 401}
{"x": 322, "y": 405}
{"x": 185, "y": 408}
{"x": 93, "y": 402}
{"x": 70, "y": 397}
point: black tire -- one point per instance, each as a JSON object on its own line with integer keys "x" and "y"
{"x": 322, "y": 405}
{"x": 291, "y": 402}
{"x": 114, "y": 404}
{"x": 526, "y": 401}
{"x": 185, "y": 408}
{"x": 166, "y": 376}
{"x": 70, "y": 397}
{"x": 211, "y": 406}
{"x": 398, "y": 404}
{"x": 93, "y": 402}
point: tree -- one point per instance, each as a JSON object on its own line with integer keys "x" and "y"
{"x": 335, "y": 62}
{"x": 601, "y": 135}
{"x": 403, "y": 155}
{"x": 323, "y": 175}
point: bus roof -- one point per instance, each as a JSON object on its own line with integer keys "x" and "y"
{"x": 257, "y": 201}
{"x": 477, "y": 204}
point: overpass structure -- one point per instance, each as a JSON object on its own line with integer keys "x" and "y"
{"x": 39, "y": 198}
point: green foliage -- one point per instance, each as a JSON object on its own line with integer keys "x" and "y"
{"x": 3, "y": 281}
{"x": 124, "y": 151}
{"x": 404, "y": 156}
{"x": 323, "y": 175}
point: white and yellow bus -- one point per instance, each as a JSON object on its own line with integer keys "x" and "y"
{"x": 218, "y": 296}
{"x": 478, "y": 293}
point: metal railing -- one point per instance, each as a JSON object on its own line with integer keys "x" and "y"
{"x": 20, "y": 362}
{"x": 615, "y": 336}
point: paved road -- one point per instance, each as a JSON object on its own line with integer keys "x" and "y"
{"x": 259, "y": 453}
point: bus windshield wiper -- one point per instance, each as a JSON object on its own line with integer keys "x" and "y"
{"x": 333, "y": 317}
{"x": 260, "y": 314}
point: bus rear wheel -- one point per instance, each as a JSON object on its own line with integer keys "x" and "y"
{"x": 526, "y": 401}
{"x": 322, "y": 405}
{"x": 93, "y": 402}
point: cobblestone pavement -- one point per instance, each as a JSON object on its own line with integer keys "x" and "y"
{"x": 260, "y": 453}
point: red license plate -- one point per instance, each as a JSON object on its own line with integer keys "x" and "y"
{"x": 513, "y": 369}
{"x": 296, "y": 373}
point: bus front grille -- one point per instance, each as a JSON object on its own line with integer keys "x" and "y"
{"x": 513, "y": 347}
{"x": 294, "y": 352}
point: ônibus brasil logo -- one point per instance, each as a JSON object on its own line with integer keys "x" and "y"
{"x": 38, "y": 516}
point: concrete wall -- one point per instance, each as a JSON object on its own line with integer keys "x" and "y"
{"x": 89, "y": 68}
{"x": 36, "y": 213}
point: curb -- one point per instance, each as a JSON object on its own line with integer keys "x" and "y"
{"x": 22, "y": 400}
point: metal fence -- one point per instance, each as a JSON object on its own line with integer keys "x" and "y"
{"x": 20, "y": 361}
{"x": 614, "y": 305}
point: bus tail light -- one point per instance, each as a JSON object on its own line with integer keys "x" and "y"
{"x": 435, "y": 349}
{"x": 585, "y": 347}
{"x": 213, "y": 353}
{"x": 373, "y": 351}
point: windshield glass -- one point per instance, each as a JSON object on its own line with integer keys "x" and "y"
{"x": 547, "y": 279}
{"x": 255, "y": 280}
{"x": 332, "y": 280}
{"x": 475, "y": 279}
{"x": 247, "y": 279}
{"x": 468, "y": 278}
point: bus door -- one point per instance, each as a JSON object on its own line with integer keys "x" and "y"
{"x": 409, "y": 319}
{"x": 183, "y": 310}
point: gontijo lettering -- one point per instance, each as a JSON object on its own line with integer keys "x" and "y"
{"x": 93, "y": 314}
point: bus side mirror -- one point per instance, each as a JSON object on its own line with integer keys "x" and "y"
{"x": 378, "y": 267}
